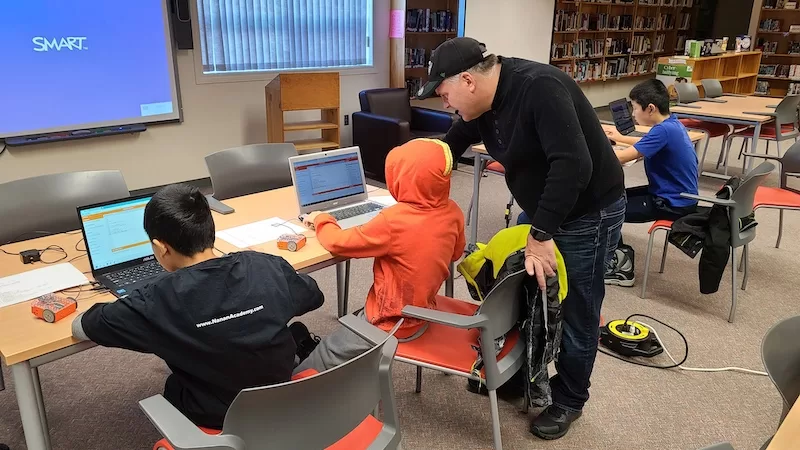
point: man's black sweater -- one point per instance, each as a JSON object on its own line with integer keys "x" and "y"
{"x": 558, "y": 160}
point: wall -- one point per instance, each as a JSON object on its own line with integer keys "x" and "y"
{"x": 216, "y": 116}
{"x": 732, "y": 18}
{"x": 520, "y": 28}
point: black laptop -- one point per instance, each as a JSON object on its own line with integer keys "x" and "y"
{"x": 119, "y": 250}
{"x": 623, "y": 120}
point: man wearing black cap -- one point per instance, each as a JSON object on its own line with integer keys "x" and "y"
{"x": 535, "y": 120}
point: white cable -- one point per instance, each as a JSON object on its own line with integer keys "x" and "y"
{"x": 693, "y": 369}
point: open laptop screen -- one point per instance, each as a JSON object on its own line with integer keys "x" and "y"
{"x": 622, "y": 116}
{"x": 115, "y": 233}
{"x": 328, "y": 178}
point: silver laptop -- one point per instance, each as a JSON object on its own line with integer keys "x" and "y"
{"x": 333, "y": 182}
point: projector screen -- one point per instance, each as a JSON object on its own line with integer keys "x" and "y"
{"x": 73, "y": 65}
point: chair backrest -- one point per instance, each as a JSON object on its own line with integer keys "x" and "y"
{"x": 388, "y": 102}
{"x": 501, "y": 305}
{"x": 249, "y": 169}
{"x": 687, "y": 92}
{"x": 744, "y": 197}
{"x": 790, "y": 163}
{"x": 318, "y": 411}
{"x": 48, "y": 203}
{"x": 786, "y": 112}
{"x": 712, "y": 88}
{"x": 721, "y": 446}
{"x": 780, "y": 352}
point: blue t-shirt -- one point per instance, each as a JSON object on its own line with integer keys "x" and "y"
{"x": 670, "y": 162}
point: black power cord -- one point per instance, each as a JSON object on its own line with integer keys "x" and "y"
{"x": 632, "y": 361}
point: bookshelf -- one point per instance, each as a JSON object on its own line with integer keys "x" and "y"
{"x": 779, "y": 71}
{"x": 428, "y": 24}
{"x": 736, "y": 72}
{"x": 613, "y": 39}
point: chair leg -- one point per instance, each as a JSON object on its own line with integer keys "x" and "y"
{"x": 732, "y": 314}
{"x": 744, "y": 147}
{"x": 469, "y": 210}
{"x": 705, "y": 150}
{"x": 498, "y": 442}
{"x": 780, "y": 228}
{"x": 647, "y": 263}
{"x": 664, "y": 253}
{"x": 746, "y": 263}
{"x": 418, "y": 388}
{"x": 768, "y": 148}
{"x": 726, "y": 141}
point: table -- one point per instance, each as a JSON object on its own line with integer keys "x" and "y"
{"x": 788, "y": 435}
{"x": 27, "y": 343}
{"x": 732, "y": 112}
{"x": 482, "y": 158}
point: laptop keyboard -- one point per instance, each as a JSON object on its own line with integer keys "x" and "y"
{"x": 135, "y": 274}
{"x": 636, "y": 134}
{"x": 364, "y": 208}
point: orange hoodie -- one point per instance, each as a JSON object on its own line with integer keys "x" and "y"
{"x": 413, "y": 242}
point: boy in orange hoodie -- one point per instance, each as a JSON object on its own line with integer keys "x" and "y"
{"x": 413, "y": 243}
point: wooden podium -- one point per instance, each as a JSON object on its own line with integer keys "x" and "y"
{"x": 302, "y": 92}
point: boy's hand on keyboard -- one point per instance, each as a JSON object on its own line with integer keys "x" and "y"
{"x": 308, "y": 219}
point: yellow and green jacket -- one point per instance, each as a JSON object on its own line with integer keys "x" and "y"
{"x": 542, "y": 323}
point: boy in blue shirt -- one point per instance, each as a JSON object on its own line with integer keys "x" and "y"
{"x": 670, "y": 163}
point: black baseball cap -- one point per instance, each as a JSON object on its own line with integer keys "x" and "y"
{"x": 451, "y": 58}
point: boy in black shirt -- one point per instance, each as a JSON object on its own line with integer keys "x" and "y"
{"x": 220, "y": 324}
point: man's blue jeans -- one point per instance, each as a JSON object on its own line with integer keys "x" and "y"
{"x": 585, "y": 244}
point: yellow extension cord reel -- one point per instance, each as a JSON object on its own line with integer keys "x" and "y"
{"x": 629, "y": 338}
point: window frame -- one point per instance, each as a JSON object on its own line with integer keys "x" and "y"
{"x": 267, "y": 75}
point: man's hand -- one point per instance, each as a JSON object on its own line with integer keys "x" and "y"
{"x": 308, "y": 219}
{"x": 540, "y": 260}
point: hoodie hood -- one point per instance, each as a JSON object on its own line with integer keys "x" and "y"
{"x": 418, "y": 173}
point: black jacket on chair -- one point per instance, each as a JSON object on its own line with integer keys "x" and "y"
{"x": 387, "y": 120}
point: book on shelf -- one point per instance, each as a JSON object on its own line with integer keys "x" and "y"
{"x": 667, "y": 2}
{"x": 588, "y": 70}
{"x": 684, "y": 21}
{"x": 661, "y": 39}
{"x": 617, "y": 46}
{"x": 567, "y": 21}
{"x": 622, "y": 22}
{"x": 762, "y": 87}
{"x": 645, "y": 23}
{"x": 794, "y": 89}
{"x": 684, "y": 3}
{"x": 415, "y": 57}
{"x": 794, "y": 48}
{"x": 649, "y": 2}
{"x": 615, "y": 67}
{"x": 666, "y": 22}
{"x": 680, "y": 43}
{"x": 562, "y": 50}
{"x": 768, "y": 47}
{"x": 780, "y": 70}
{"x": 641, "y": 44}
{"x": 588, "y": 48}
{"x": 413, "y": 85}
{"x": 566, "y": 68}
{"x": 426, "y": 21}
{"x": 640, "y": 65}
{"x": 769, "y": 25}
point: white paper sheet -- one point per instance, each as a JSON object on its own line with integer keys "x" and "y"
{"x": 31, "y": 284}
{"x": 259, "y": 232}
{"x": 385, "y": 200}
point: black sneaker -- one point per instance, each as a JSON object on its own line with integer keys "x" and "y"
{"x": 553, "y": 422}
{"x": 303, "y": 339}
{"x": 620, "y": 272}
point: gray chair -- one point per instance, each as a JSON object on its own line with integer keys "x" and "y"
{"x": 784, "y": 197}
{"x": 497, "y": 316}
{"x": 721, "y": 446}
{"x": 48, "y": 204}
{"x": 712, "y": 89}
{"x": 740, "y": 205}
{"x": 687, "y": 94}
{"x": 310, "y": 413}
{"x": 780, "y": 352}
{"x": 249, "y": 169}
{"x": 783, "y": 128}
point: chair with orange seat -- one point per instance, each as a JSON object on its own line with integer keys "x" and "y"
{"x": 455, "y": 330}
{"x": 784, "y": 197}
{"x": 740, "y": 205}
{"x": 330, "y": 410}
{"x": 782, "y": 128}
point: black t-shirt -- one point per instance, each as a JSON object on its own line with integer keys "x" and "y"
{"x": 558, "y": 160}
{"x": 220, "y": 325}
